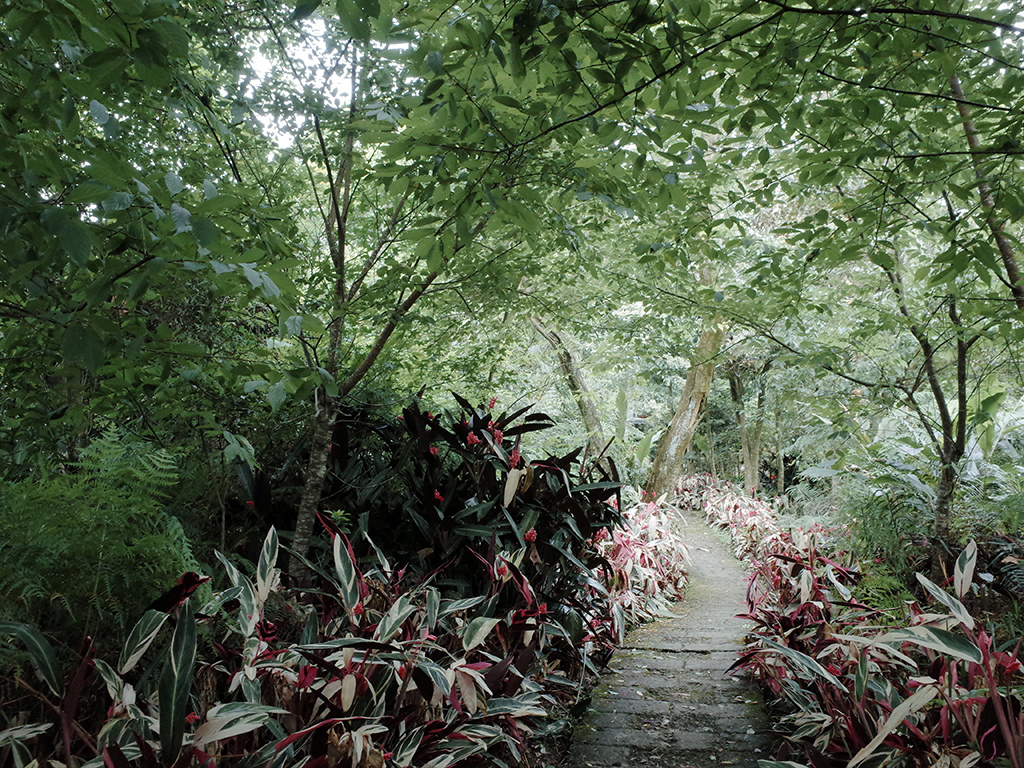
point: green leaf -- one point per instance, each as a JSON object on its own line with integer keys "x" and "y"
{"x": 963, "y": 572}
{"x": 477, "y": 631}
{"x": 76, "y": 241}
{"x": 806, "y": 663}
{"x": 345, "y": 567}
{"x": 435, "y": 60}
{"x": 176, "y": 684}
{"x": 248, "y": 608}
{"x": 391, "y": 624}
{"x": 233, "y": 719}
{"x": 643, "y": 448}
{"x": 118, "y": 201}
{"x": 266, "y": 573}
{"x": 436, "y": 674}
{"x": 141, "y": 637}
{"x": 173, "y": 36}
{"x": 99, "y": 112}
{"x": 39, "y": 650}
{"x": 370, "y": 7}
{"x": 20, "y": 733}
{"x": 276, "y": 395}
{"x": 304, "y": 8}
{"x": 181, "y": 217}
{"x": 113, "y": 681}
{"x": 621, "y": 406}
{"x": 174, "y": 183}
{"x": 937, "y": 639}
{"x": 352, "y": 19}
{"x": 454, "y": 606}
{"x": 433, "y": 607}
{"x": 955, "y": 606}
{"x": 912, "y": 704}
{"x": 204, "y": 231}
{"x": 234, "y": 575}
{"x": 82, "y": 345}
{"x": 860, "y": 680}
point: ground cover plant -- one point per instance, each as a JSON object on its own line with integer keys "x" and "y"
{"x": 388, "y": 656}
{"x": 929, "y": 685}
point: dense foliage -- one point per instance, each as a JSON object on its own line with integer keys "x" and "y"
{"x": 766, "y": 240}
{"x": 473, "y": 626}
{"x": 922, "y": 684}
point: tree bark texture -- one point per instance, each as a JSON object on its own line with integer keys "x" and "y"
{"x": 581, "y": 393}
{"x": 750, "y": 442}
{"x": 668, "y": 462}
{"x": 316, "y": 471}
{"x": 951, "y": 439}
{"x": 988, "y": 202}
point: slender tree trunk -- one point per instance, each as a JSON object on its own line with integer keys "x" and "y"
{"x": 323, "y": 426}
{"x": 754, "y": 476}
{"x": 988, "y": 202}
{"x": 780, "y": 477}
{"x": 750, "y": 443}
{"x": 954, "y": 445}
{"x": 711, "y": 442}
{"x": 951, "y": 439}
{"x": 316, "y": 471}
{"x": 668, "y": 462}
{"x": 780, "y": 469}
{"x": 581, "y": 394}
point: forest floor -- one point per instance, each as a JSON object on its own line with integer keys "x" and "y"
{"x": 665, "y": 698}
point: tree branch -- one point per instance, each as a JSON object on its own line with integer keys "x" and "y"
{"x": 896, "y": 11}
{"x": 925, "y": 94}
{"x": 988, "y": 201}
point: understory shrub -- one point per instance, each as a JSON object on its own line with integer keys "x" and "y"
{"x": 648, "y": 559}
{"x": 84, "y": 552}
{"x": 924, "y": 686}
{"x": 444, "y": 656}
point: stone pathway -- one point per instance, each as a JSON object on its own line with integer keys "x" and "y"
{"x": 665, "y": 699}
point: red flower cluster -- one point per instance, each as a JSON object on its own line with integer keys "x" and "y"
{"x": 434, "y": 450}
{"x": 472, "y": 439}
{"x": 438, "y": 496}
{"x": 530, "y": 535}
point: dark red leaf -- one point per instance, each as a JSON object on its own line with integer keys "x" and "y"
{"x": 172, "y": 598}
{"x": 113, "y": 757}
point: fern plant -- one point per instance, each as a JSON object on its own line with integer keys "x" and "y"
{"x": 85, "y": 550}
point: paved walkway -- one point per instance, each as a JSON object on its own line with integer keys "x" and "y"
{"x": 665, "y": 699}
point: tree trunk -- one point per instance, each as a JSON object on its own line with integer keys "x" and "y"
{"x": 668, "y": 463}
{"x": 780, "y": 478}
{"x": 951, "y": 440}
{"x": 754, "y": 478}
{"x": 316, "y": 471}
{"x": 988, "y": 202}
{"x": 711, "y": 442}
{"x": 750, "y": 443}
{"x": 581, "y": 394}
{"x": 780, "y": 469}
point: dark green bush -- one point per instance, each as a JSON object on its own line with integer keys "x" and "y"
{"x": 84, "y": 552}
